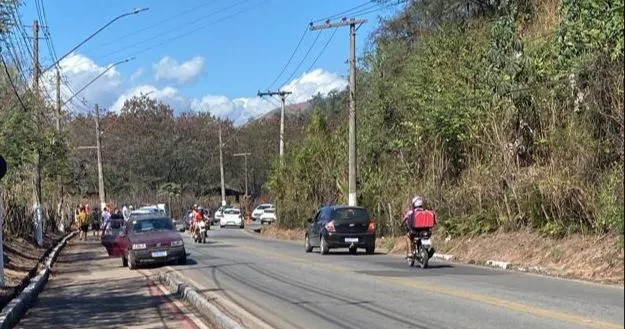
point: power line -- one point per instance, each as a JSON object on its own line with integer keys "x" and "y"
{"x": 290, "y": 59}
{"x": 322, "y": 50}
{"x": 157, "y": 24}
{"x": 172, "y": 30}
{"x": 6, "y": 70}
{"x": 345, "y": 12}
{"x": 303, "y": 59}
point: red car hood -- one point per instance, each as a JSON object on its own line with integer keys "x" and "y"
{"x": 154, "y": 237}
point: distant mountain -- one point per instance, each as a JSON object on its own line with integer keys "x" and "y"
{"x": 290, "y": 111}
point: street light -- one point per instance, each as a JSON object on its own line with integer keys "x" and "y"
{"x": 134, "y": 12}
{"x": 96, "y": 78}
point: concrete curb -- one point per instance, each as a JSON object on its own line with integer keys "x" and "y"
{"x": 14, "y": 310}
{"x": 214, "y": 314}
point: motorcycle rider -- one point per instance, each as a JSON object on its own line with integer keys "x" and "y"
{"x": 418, "y": 204}
{"x": 197, "y": 218}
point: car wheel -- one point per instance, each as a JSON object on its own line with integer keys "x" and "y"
{"x": 370, "y": 250}
{"x": 183, "y": 260}
{"x": 132, "y": 263}
{"x": 309, "y": 246}
{"x": 353, "y": 250}
{"x": 324, "y": 246}
{"x": 124, "y": 262}
{"x": 221, "y": 226}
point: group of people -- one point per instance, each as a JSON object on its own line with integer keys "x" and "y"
{"x": 97, "y": 220}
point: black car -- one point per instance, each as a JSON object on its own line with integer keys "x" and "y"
{"x": 341, "y": 227}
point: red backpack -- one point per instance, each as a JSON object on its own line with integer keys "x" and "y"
{"x": 423, "y": 219}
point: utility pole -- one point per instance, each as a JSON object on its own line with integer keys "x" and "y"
{"x": 37, "y": 179}
{"x": 282, "y": 95}
{"x": 352, "y": 162}
{"x": 221, "y": 168}
{"x": 60, "y": 211}
{"x": 36, "y": 57}
{"x": 99, "y": 151}
{"x": 58, "y": 99}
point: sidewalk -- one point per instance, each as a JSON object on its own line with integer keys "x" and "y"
{"x": 87, "y": 289}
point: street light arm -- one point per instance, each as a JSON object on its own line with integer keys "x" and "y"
{"x": 134, "y": 12}
{"x": 96, "y": 78}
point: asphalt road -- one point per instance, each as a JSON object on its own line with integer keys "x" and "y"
{"x": 279, "y": 283}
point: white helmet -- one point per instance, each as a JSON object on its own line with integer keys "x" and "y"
{"x": 417, "y": 202}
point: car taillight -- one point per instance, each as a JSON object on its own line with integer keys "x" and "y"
{"x": 330, "y": 226}
{"x": 371, "y": 228}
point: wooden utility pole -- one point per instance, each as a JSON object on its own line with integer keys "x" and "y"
{"x": 58, "y": 100}
{"x": 282, "y": 95}
{"x": 221, "y": 169}
{"x": 352, "y": 162}
{"x": 36, "y": 57}
{"x": 37, "y": 172}
{"x": 99, "y": 151}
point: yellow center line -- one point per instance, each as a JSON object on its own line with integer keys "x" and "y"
{"x": 463, "y": 294}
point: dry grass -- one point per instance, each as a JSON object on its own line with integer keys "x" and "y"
{"x": 274, "y": 232}
{"x": 590, "y": 257}
{"x": 21, "y": 262}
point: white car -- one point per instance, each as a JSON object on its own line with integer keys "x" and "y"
{"x": 260, "y": 210}
{"x": 231, "y": 217}
{"x": 268, "y": 216}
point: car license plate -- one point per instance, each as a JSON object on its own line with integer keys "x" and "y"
{"x": 159, "y": 254}
{"x": 351, "y": 239}
{"x": 427, "y": 242}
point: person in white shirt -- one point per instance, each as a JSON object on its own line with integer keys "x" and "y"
{"x": 125, "y": 213}
{"x": 106, "y": 218}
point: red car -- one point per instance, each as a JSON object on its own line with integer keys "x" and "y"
{"x": 149, "y": 239}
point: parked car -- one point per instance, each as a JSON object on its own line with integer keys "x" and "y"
{"x": 219, "y": 213}
{"x": 150, "y": 239}
{"x": 340, "y": 227}
{"x": 231, "y": 217}
{"x": 268, "y": 216}
{"x": 111, "y": 232}
{"x": 259, "y": 210}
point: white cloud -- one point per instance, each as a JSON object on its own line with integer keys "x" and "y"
{"x": 169, "y": 69}
{"x": 241, "y": 109}
{"x": 79, "y": 70}
{"x": 313, "y": 82}
{"x": 137, "y": 74}
{"x": 167, "y": 95}
{"x": 112, "y": 89}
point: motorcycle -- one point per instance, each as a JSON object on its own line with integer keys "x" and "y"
{"x": 200, "y": 233}
{"x": 422, "y": 249}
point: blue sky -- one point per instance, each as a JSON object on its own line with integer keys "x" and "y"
{"x": 214, "y": 54}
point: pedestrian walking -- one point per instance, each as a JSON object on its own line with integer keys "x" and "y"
{"x": 83, "y": 222}
{"x": 96, "y": 221}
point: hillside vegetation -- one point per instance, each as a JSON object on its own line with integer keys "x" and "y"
{"x": 504, "y": 116}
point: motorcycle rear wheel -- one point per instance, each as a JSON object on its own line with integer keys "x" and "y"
{"x": 424, "y": 258}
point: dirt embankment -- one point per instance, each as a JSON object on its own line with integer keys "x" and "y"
{"x": 21, "y": 262}
{"x": 586, "y": 257}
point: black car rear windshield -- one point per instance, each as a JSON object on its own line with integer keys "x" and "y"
{"x": 350, "y": 215}
{"x": 152, "y": 224}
